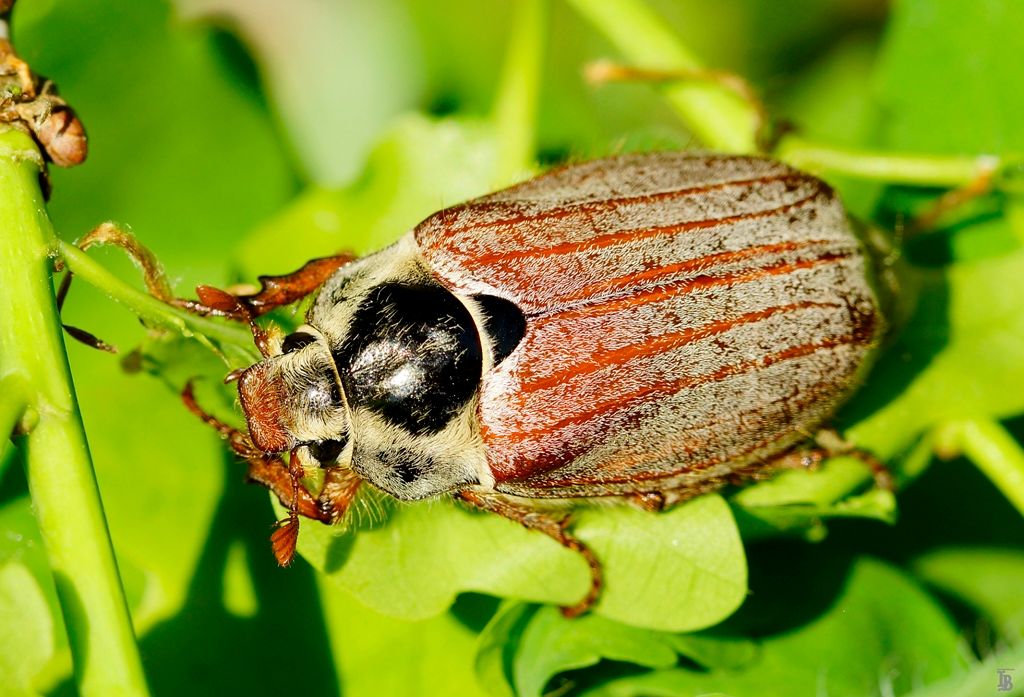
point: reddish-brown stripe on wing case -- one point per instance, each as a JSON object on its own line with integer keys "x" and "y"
{"x": 705, "y": 264}
{"x": 624, "y": 404}
{"x": 625, "y": 401}
{"x": 631, "y": 235}
{"x": 642, "y": 466}
{"x": 661, "y": 344}
{"x": 687, "y": 285}
{"x": 483, "y": 208}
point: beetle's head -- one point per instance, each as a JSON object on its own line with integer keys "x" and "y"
{"x": 295, "y": 398}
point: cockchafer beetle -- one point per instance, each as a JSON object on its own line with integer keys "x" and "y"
{"x": 648, "y": 327}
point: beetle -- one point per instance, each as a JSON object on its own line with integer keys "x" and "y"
{"x": 646, "y": 327}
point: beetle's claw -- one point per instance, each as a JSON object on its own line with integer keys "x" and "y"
{"x": 284, "y": 539}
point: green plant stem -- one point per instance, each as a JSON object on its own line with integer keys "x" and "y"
{"x": 234, "y": 340}
{"x": 12, "y": 407}
{"x": 61, "y": 480}
{"x": 894, "y": 168}
{"x": 515, "y": 108}
{"x": 992, "y": 449}
{"x": 717, "y": 117}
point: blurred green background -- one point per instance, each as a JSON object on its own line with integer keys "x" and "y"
{"x": 238, "y": 137}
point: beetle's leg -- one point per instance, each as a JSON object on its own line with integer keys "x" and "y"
{"x": 826, "y": 443}
{"x": 834, "y": 445}
{"x": 650, "y": 501}
{"x": 600, "y": 72}
{"x": 667, "y": 498}
{"x": 264, "y": 469}
{"x": 268, "y": 470}
{"x": 555, "y": 528}
{"x": 953, "y": 199}
{"x": 286, "y": 532}
{"x": 152, "y": 273}
{"x": 212, "y": 301}
{"x": 274, "y": 292}
{"x": 338, "y": 491}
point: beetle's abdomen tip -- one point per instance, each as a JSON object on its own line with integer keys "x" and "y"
{"x": 263, "y": 399}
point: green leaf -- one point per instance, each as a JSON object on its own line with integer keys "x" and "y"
{"x": 969, "y": 365}
{"x": 21, "y": 545}
{"x": 680, "y": 570}
{"x": 419, "y": 166}
{"x": 335, "y": 71}
{"x": 497, "y": 646}
{"x": 801, "y": 499}
{"x": 883, "y": 634}
{"x": 945, "y": 77}
{"x": 964, "y": 345}
{"x": 26, "y": 630}
{"x": 179, "y": 148}
{"x": 380, "y": 655}
{"x": 983, "y": 679}
{"x": 989, "y": 580}
{"x": 552, "y": 644}
{"x": 524, "y": 647}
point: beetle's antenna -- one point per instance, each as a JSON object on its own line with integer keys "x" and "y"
{"x": 286, "y": 535}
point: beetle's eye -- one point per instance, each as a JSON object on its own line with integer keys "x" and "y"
{"x": 293, "y": 342}
{"x": 326, "y": 451}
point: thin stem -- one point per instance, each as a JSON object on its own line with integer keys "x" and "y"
{"x": 232, "y": 339}
{"x": 992, "y": 449}
{"x": 715, "y": 114}
{"x": 61, "y": 480}
{"x": 515, "y": 108}
{"x": 894, "y": 168}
